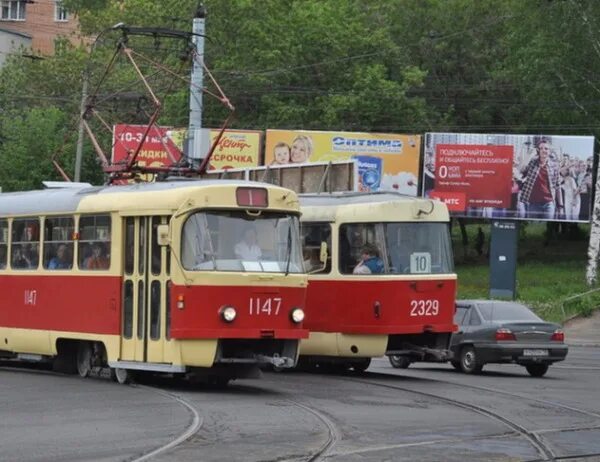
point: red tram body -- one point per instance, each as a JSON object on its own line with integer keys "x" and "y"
{"x": 403, "y": 308}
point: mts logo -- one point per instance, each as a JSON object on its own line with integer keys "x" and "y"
{"x": 456, "y": 201}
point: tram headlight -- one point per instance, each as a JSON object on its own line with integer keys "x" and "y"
{"x": 297, "y": 315}
{"x": 227, "y": 313}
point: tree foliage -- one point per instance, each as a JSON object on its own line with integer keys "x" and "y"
{"x": 407, "y": 66}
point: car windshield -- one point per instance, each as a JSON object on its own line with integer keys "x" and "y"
{"x": 400, "y": 248}
{"x": 507, "y": 312}
{"x": 239, "y": 241}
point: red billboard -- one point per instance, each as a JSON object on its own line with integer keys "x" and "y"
{"x": 495, "y": 175}
{"x": 155, "y": 149}
{"x": 479, "y": 173}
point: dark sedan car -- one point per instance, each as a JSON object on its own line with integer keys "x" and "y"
{"x": 492, "y": 331}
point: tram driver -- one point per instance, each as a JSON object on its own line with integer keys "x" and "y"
{"x": 248, "y": 249}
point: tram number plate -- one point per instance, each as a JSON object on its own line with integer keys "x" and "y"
{"x": 535, "y": 352}
{"x": 265, "y": 305}
{"x": 427, "y": 307}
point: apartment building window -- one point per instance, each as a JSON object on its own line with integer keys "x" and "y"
{"x": 12, "y": 10}
{"x": 60, "y": 12}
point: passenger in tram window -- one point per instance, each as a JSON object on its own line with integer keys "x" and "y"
{"x": 62, "y": 259}
{"x": 31, "y": 233}
{"x": 370, "y": 262}
{"x": 247, "y": 248}
{"x": 20, "y": 259}
{"x": 98, "y": 260}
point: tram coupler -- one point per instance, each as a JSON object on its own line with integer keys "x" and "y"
{"x": 420, "y": 353}
{"x": 276, "y": 360}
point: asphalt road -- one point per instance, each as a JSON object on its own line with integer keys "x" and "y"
{"x": 424, "y": 413}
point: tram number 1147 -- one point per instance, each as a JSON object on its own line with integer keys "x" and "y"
{"x": 424, "y": 307}
{"x": 269, "y": 306}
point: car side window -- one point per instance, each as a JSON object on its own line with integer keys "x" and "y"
{"x": 475, "y": 320}
{"x": 459, "y": 316}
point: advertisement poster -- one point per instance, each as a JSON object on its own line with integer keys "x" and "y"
{"x": 529, "y": 177}
{"x": 386, "y": 162}
{"x": 236, "y": 149}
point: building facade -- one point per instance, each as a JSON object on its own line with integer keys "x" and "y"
{"x": 11, "y": 41}
{"x": 42, "y": 20}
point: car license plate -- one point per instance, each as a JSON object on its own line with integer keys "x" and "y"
{"x": 535, "y": 352}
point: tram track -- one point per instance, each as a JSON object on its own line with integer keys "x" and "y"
{"x": 192, "y": 429}
{"x": 534, "y": 437}
{"x": 542, "y": 448}
{"x": 333, "y": 431}
{"x": 504, "y": 393}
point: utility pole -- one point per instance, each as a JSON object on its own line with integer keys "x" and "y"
{"x": 79, "y": 151}
{"x": 194, "y": 142}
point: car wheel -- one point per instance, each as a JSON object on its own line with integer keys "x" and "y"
{"x": 537, "y": 370}
{"x": 399, "y": 362}
{"x": 469, "y": 363}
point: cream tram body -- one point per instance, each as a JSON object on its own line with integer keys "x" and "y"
{"x": 147, "y": 277}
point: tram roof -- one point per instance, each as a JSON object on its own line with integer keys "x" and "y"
{"x": 70, "y": 200}
{"x": 357, "y": 207}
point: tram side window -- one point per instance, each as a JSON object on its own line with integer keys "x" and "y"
{"x": 25, "y": 253}
{"x": 3, "y": 244}
{"x": 129, "y": 241}
{"x": 58, "y": 246}
{"x": 313, "y": 234}
{"x": 94, "y": 242}
{"x": 360, "y": 249}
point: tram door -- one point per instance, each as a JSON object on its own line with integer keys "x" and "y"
{"x": 146, "y": 273}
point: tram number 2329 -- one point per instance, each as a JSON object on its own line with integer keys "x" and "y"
{"x": 427, "y": 307}
{"x": 267, "y": 305}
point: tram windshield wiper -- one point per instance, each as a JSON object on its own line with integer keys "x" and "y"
{"x": 289, "y": 250}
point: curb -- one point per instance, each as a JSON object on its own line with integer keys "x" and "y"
{"x": 583, "y": 344}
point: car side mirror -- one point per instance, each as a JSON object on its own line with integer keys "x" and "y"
{"x": 162, "y": 235}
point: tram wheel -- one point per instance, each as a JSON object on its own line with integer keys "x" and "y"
{"x": 122, "y": 376}
{"x": 361, "y": 365}
{"x": 399, "y": 362}
{"x": 84, "y": 359}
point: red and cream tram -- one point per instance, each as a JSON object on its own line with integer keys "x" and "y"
{"x": 199, "y": 277}
{"x": 381, "y": 279}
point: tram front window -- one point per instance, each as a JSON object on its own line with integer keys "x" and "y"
{"x": 241, "y": 241}
{"x": 415, "y": 248}
{"x": 395, "y": 248}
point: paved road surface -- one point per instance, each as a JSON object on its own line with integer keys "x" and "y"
{"x": 427, "y": 412}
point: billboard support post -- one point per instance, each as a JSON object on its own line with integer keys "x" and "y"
{"x": 504, "y": 241}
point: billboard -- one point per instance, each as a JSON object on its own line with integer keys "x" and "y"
{"x": 528, "y": 177}
{"x": 236, "y": 148}
{"x": 386, "y": 162}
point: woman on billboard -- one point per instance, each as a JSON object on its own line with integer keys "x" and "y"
{"x": 302, "y": 149}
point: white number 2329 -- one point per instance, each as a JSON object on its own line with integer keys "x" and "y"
{"x": 424, "y": 307}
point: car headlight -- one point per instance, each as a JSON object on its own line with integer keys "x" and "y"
{"x": 297, "y": 315}
{"x": 227, "y": 313}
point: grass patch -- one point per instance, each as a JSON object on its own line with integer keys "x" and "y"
{"x": 550, "y": 270}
